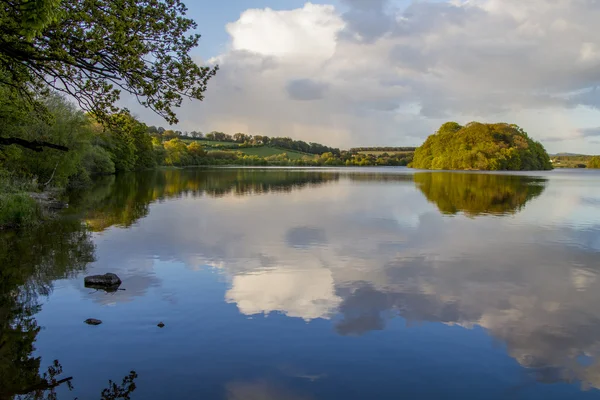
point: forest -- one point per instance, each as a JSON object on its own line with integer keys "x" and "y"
{"x": 478, "y": 146}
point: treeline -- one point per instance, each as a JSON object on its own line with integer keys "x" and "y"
{"x": 176, "y": 152}
{"x": 245, "y": 139}
{"x": 382, "y": 149}
{"x": 575, "y": 161}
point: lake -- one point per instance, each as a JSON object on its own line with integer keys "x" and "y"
{"x": 288, "y": 284}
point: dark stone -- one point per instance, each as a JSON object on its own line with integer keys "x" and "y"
{"x": 109, "y": 282}
{"x": 160, "y": 325}
{"x": 92, "y": 321}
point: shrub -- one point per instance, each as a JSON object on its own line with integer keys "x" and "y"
{"x": 97, "y": 161}
{"x": 18, "y": 209}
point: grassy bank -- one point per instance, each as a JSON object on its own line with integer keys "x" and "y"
{"x": 17, "y": 207}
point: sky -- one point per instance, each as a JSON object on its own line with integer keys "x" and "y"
{"x": 380, "y": 72}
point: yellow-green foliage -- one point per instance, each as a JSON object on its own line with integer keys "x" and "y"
{"x": 478, "y": 146}
{"x": 594, "y": 162}
{"x": 476, "y": 194}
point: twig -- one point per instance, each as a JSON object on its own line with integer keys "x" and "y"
{"x": 52, "y": 176}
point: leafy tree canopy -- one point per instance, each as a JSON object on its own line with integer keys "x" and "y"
{"x": 94, "y": 50}
{"x": 478, "y": 146}
{"x": 594, "y": 162}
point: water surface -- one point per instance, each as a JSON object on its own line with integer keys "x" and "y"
{"x": 313, "y": 284}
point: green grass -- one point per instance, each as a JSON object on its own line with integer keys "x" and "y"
{"x": 266, "y": 151}
{"x": 210, "y": 142}
{"x": 18, "y": 209}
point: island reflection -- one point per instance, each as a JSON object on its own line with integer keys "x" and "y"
{"x": 478, "y": 194}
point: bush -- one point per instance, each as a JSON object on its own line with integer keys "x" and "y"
{"x": 18, "y": 209}
{"x": 97, "y": 161}
{"x": 594, "y": 162}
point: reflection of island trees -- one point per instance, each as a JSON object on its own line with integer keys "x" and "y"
{"x": 477, "y": 194}
{"x": 30, "y": 260}
{"x": 124, "y": 199}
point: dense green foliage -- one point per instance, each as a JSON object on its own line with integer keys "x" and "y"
{"x": 594, "y": 162}
{"x": 479, "y": 146}
{"x": 476, "y": 194}
{"x": 121, "y": 145}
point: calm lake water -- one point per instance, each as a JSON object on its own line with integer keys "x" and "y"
{"x": 287, "y": 284}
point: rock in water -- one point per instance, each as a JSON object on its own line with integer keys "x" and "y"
{"x": 161, "y": 325}
{"x": 107, "y": 280}
{"x": 92, "y": 321}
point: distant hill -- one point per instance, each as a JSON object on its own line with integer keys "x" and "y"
{"x": 568, "y": 155}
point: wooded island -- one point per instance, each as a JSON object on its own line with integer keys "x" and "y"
{"x": 485, "y": 147}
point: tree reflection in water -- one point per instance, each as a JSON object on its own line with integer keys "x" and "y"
{"x": 30, "y": 260}
{"x": 478, "y": 194}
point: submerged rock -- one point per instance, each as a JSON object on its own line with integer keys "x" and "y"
{"x": 160, "y": 325}
{"x": 110, "y": 281}
{"x": 92, "y": 321}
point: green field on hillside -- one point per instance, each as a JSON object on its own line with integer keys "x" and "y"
{"x": 266, "y": 151}
{"x": 211, "y": 142}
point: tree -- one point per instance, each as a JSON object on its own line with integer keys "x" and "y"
{"x": 168, "y": 135}
{"x": 195, "y": 149}
{"x": 69, "y": 128}
{"x": 240, "y": 137}
{"x": 122, "y": 142}
{"x": 594, "y": 162}
{"x": 94, "y": 50}
{"x": 177, "y": 152}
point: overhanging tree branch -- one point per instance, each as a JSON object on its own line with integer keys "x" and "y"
{"x": 35, "y": 145}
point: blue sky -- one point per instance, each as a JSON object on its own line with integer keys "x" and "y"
{"x": 382, "y": 72}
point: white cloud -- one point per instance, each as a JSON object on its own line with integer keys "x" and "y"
{"x": 380, "y": 75}
{"x": 304, "y": 34}
{"x": 303, "y": 293}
